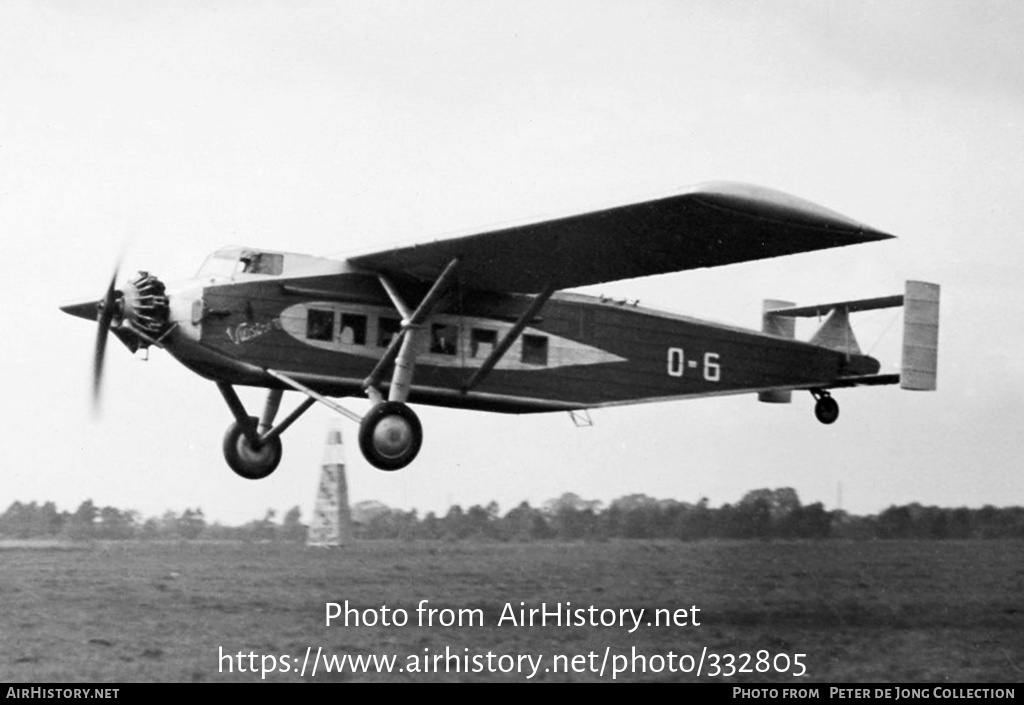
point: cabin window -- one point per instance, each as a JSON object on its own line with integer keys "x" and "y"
{"x": 319, "y": 324}
{"x": 535, "y": 349}
{"x": 387, "y": 328}
{"x": 353, "y": 329}
{"x": 444, "y": 338}
{"x": 482, "y": 342}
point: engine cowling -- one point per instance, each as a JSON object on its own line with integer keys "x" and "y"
{"x": 140, "y": 311}
{"x": 144, "y": 305}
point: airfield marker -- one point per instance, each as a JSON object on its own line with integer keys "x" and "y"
{"x": 332, "y": 517}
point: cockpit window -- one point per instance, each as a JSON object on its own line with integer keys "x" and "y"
{"x": 222, "y": 263}
{"x": 263, "y": 263}
{"x": 228, "y": 262}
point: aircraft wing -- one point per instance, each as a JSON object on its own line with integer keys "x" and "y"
{"x": 706, "y": 226}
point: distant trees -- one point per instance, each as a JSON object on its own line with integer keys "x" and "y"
{"x": 80, "y": 524}
{"x": 30, "y": 520}
{"x": 524, "y": 523}
{"x": 191, "y": 524}
{"x": 292, "y": 528}
{"x": 89, "y": 522}
{"x": 760, "y": 514}
{"x": 113, "y": 523}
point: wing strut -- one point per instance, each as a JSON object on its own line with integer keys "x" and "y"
{"x": 313, "y": 396}
{"x": 510, "y": 337}
{"x": 402, "y": 348}
{"x": 397, "y": 300}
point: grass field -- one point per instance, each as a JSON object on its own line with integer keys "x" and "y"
{"x": 929, "y": 611}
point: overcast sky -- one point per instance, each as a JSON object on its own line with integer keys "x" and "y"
{"x": 164, "y": 130}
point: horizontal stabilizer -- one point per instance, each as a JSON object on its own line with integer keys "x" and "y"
{"x": 918, "y": 371}
{"x": 818, "y": 310}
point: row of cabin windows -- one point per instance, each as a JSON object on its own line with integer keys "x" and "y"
{"x": 444, "y": 337}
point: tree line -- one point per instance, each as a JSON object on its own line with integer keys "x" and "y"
{"x": 761, "y": 514}
{"x": 32, "y": 521}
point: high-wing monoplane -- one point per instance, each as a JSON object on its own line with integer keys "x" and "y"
{"x": 483, "y": 322}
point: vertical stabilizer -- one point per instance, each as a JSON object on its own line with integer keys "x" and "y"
{"x": 784, "y": 327}
{"x": 920, "y": 336}
{"x": 836, "y": 334}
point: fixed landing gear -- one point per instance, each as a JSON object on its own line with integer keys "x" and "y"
{"x": 390, "y": 435}
{"x": 249, "y": 461}
{"x": 826, "y": 409}
{"x": 252, "y": 446}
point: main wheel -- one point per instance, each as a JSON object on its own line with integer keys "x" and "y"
{"x": 248, "y": 462}
{"x": 826, "y": 410}
{"x": 390, "y": 436}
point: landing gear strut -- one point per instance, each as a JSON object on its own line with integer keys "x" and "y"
{"x": 390, "y": 435}
{"x": 252, "y": 446}
{"x": 826, "y": 409}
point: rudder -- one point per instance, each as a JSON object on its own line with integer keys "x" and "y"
{"x": 782, "y": 327}
{"x": 919, "y": 366}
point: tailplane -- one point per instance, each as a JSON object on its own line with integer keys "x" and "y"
{"x": 919, "y": 366}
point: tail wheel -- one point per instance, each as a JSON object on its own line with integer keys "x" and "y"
{"x": 826, "y": 409}
{"x": 390, "y": 436}
{"x": 247, "y": 461}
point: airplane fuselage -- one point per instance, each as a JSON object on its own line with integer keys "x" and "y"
{"x": 578, "y": 352}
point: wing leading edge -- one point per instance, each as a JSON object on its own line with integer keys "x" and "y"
{"x": 706, "y": 226}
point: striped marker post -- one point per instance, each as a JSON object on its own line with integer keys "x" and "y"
{"x": 332, "y": 518}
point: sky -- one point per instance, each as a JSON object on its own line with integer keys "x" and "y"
{"x": 157, "y": 132}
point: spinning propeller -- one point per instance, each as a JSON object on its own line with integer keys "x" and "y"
{"x": 105, "y": 316}
{"x": 137, "y": 314}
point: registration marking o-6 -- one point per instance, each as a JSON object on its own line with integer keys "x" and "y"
{"x": 677, "y": 364}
